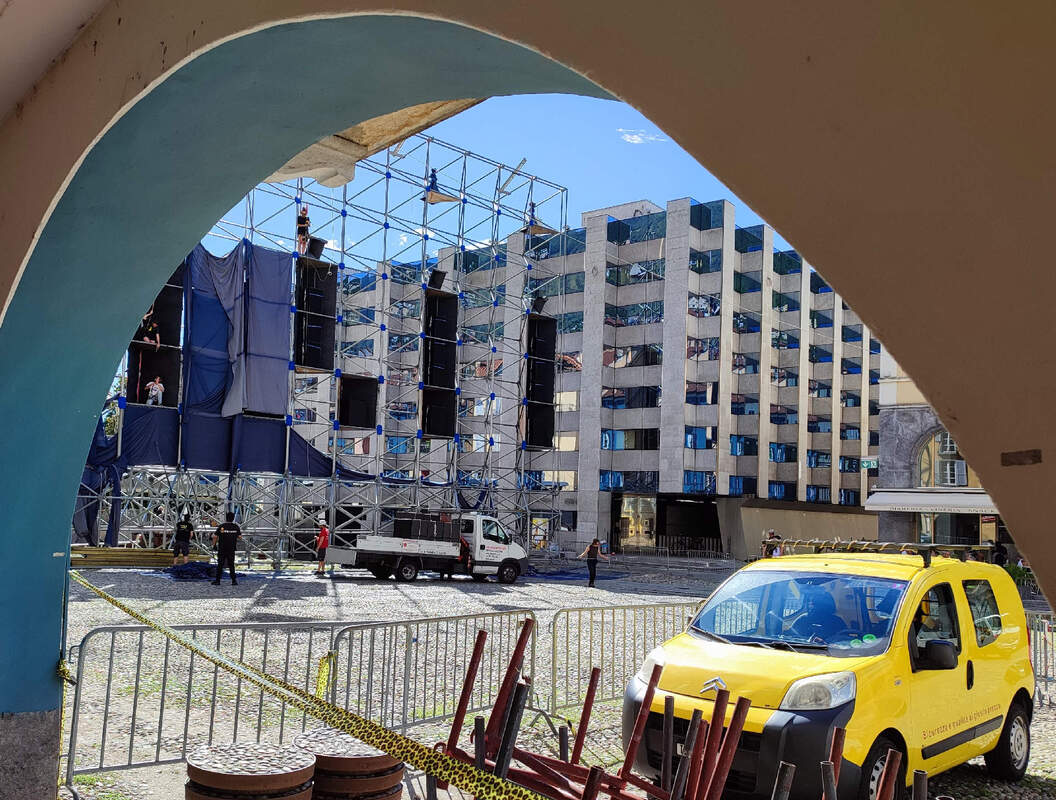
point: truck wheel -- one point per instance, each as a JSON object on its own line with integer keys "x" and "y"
{"x": 381, "y": 573}
{"x": 406, "y": 571}
{"x": 508, "y": 572}
{"x": 1008, "y": 760}
{"x": 873, "y": 768}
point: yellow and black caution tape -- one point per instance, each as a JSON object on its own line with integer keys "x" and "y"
{"x": 442, "y": 767}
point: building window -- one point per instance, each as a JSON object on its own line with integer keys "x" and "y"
{"x": 748, "y": 240}
{"x": 782, "y": 453}
{"x": 848, "y": 497}
{"x": 819, "y": 319}
{"x": 819, "y": 355}
{"x": 566, "y": 441}
{"x": 783, "y": 415}
{"x": 355, "y": 282}
{"x": 819, "y": 459}
{"x": 638, "y": 355}
{"x": 703, "y": 305}
{"x": 634, "y": 314}
{"x": 567, "y": 401}
{"x": 570, "y": 322}
{"x": 852, "y": 333}
{"x": 568, "y": 243}
{"x": 744, "y": 364}
{"x": 638, "y": 272}
{"x": 698, "y": 482}
{"x": 642, "y": 482}
{"x": 747, "y": 282}
{"x": 630, "y": 439}
{"x": 818, "y": 494}
{"x": 787, "y": 262}
{"x": 874, "y": 438}
{"x": 848, "y": 464}
{"x": 850, "y": 399}
{"x": 704, "y": 261}
{"x": 743, "y": 445}
{"x": 783, "y": 377}
{"x": 700, "y": 437}
{"x": 631, "y": 397}
{"x": 785, "y": 301}
{"x": 819, "y": 424}
{"x": 559, "y": 479}
{"x": 850, "y": 432}
{"x": 744, "y": 404}
{"x": 817, "y": 284}
{"x": 819, "y": 389}
{"x": 874, "y": 346}
{"x": 643, "y": 228}
{"x": 702, "y": 349}
{"x": 851, "y": 366}
{"x": 702, "y": 393}
{"x": 874, "y": 377}
{"x": 571, "y": 361}
{"x": 399, "y": 445}
{"x": 403, "y": 342}
{"x": 783, "y": 340}
{"x": 780, "y": 490}
{"x": 569, "y": 283}
{"x": 746, "y": 322}
{"x": 304, "y": 415}
{"x": 742, "y": 485}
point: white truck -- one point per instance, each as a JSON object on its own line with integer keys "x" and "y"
{"x": 451, "y": 544}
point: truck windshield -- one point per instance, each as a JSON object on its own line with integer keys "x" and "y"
{"x": 841, "y": 615}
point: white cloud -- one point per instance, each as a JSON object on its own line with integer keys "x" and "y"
{"x": 639, "y": 136}
{"x": 403, "y": 238}
{"x": 282, "y": 242}
{"x": 333, "y": 245}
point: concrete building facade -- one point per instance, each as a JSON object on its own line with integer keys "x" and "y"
{"x": 709, "y": 383}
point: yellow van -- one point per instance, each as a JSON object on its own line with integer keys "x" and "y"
{"x": 929, "y": 656}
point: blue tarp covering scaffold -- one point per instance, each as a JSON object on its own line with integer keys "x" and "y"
{"x": 235, "y": 359}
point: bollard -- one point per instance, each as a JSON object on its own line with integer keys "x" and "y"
{"x": 920, "y": 785}
{"x": 678, "y": 788}
{"x": 889, "y": 777}
{"x": 828, "y": 781}
{"x": 562, "y": 741}
{"x": 783, "y": 783}
{"x": 668, "y": 749}
{"x": 480, "y": 747}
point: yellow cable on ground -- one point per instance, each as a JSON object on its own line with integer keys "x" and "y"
{"x": 442, "y": 767}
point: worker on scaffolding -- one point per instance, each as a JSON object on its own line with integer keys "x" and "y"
{"x": 148, "y": 330}
{"x": 433, "y": 185}
{"x": 303, "y": 226}
{"x": 155, "y": 391}
{"x": 227, "y": 533}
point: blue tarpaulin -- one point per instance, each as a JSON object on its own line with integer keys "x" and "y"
{"x": 267, "y": 341}
{"x": 258, "y": 444}
{"x": 207, "y": 330}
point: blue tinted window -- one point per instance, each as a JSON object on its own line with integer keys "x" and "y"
{"x": 705, "y": 261}
{"x": 748, "y": 240}
{"x": 570, "y": 322}
{"x": 742, "y": 484}
{"x": 638, "y": 272}
{"x": 819, "y": 459}
{"x": 848, "y": 464}
{"x": 634, "y": 314}
{"x": 747, "y": 282}
{"x": 701, "y": 393}
{"x": 783, "y": 453}
{"x": 743, "y": 445}
{"x": 744, "y": 404}
{"x": 364, "y": 347}
{"x": 780, "y": 490}
{"x": 818, "y": 494}
{"x": 818, "y": 285}
{"x": 702, "y": 349}
{"x": 698, "y": 482}
{"x": 848, "y": 497}
{"x": 700, "y": 438}
{"x": 703, "y": 305}
{"x": 816, "y": 424}
{"x": 851, "y": 432}
{"x": 787, "y": 262}
{"x": 746, "y": 322}
{"x": 705, "y": 216}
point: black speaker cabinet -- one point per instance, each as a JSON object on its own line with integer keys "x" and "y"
{"x": 316, "y": 287}
{"x": 438, "y": 413}
{"x": 144, "y": 364}
{"x": 315, "y": 247}
{"x": 540, "y": 386}
{"x": 441, "y": 315}
{"x": 440, "y": 363}
{"x": 542, "y": 337}
{"x": 313, "y": 340}
{"x": 539, "y": 426}
{"x": 357, "y": 401}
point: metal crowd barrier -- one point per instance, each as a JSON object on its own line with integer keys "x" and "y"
{"x": 615, "y": 638}
{"x": 1043, "y": 657}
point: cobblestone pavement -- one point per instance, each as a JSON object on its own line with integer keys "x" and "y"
{"x": 296, "y": 595}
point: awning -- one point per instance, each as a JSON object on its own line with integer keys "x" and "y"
{"x": 950, "y": 501}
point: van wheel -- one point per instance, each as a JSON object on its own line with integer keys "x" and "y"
{"x": 873, "y": 769}
{"x": 508, "y": 572}
{"x": 406, "y": 571}
{"x": 1008, "y": 760}
{"x": 381, "y": 573}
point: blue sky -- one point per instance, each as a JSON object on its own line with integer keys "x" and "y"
{"x": 604, "y": 152}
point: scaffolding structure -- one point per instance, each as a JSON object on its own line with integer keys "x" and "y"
{"x": 420, "y": 208}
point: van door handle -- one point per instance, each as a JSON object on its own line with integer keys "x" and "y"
{"x": 482, "y": 547}
{"x": 971, "y": 674}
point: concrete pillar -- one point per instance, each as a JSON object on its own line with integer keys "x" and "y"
{"x": 767, "y": 393}
{"x": 676, "y": 299}
{"x": 803, "y": 396}
{"x": 726, "y": 464}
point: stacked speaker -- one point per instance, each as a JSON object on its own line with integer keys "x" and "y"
{"x": 357, "y": 401}
{"x": 148, "y": 360}
{"x": 541, "y": 349}
{"x": 439, "y": 360}
{"x": 316, "y": 302}
{"x": 347, "y": 769}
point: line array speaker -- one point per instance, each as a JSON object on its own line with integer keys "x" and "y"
{"x": 357, "y": 401}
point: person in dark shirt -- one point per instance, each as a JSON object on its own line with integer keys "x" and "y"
{"x": 227, "y": 534}
{"x": 592, "y": 554}
{"x": 181, "y": 542}
{"x": 303, "y": 226}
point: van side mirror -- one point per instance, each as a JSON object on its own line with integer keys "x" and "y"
{"x": 939, "y": 654}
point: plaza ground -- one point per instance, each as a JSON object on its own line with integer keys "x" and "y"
{"x": 354, "y": 596}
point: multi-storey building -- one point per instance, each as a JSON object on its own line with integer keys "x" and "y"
{"x": 710, "y": 386}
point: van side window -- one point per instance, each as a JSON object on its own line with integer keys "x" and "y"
{"x": 985, "y": 613}
{"x": 467, "y": 526}
{"x": 935, "y": 618}
{"x": 494, "y": 532}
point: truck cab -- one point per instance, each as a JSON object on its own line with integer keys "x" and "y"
{"x": 449, "y": 543}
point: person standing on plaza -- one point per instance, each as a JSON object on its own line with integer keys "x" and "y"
{"x": 322, "y": 541}
{"x": 181, "y": 542}
{"x": 592, "y": 554}
{"x": 227, "y": 533}
{"x": 772, "y": 545}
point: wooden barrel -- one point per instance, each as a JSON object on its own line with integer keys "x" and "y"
{"x": 348, "y": 769}
{"x": 249, "y": 771}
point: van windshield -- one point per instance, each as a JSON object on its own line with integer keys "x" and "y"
{"x": 841, "y": 615}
